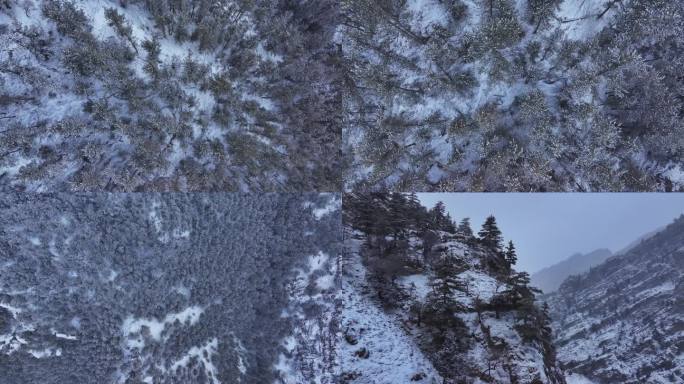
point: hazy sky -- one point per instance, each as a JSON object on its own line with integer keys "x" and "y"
{"x": 549, "y": 227}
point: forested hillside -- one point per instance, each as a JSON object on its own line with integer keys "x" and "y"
{"x": 514, "y": 95}
{"x": 167, "y": 288}
{"x": 623, "y": 321}
{"x": 431, "y": 301}
{"x": 181, "y": 95}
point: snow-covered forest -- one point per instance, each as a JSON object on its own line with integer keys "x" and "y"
{"x": 325, "y": 95}
{"x": 428, "y": 300}
{"x": 168, "y": 95}
{"x": 513, "y": 95}
{"x": 167, "y": 288}
{"x": 229, "y": 191}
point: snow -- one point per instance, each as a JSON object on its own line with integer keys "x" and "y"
{"x": 676, "y": 175}
{"x": 47, "y": 352}
{"x": 333, "y": 205}
{"x": 309, "y": 333}
{"x": 575, "y": 378}
{"x": 11, "y": 343}
{"x": 18, "y": 164}
{"x": 419, "y": 281}
{"x": 485, "y": 285}
{"x": 427, "y": 14}
{"x": 64, "y": 221}
{"x": 156, "y": 219}
{"x": 667, "y": 286}
{"x": 435, "y": 174}
{"x": 13, "y": 310}
{"x": 325, "y": 282}
{"x": 240, "y": 349}
{"x": 587, "y": 11}
{"x": 393, "y": 356}
{"x": 204, "y": 354}
{"x": 132, "y": 326}
{"x": 266, "y": 55}
{"x": 75, "y": 322}
{"x": 65, "y": 336}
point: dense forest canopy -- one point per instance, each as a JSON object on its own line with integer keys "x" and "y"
{"x": 504, "y": 95}
{"x": 180, "y": 95}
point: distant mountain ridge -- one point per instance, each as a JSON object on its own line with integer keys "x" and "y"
{"x": 623, "y": 321}
{"x": 550, "y": 278}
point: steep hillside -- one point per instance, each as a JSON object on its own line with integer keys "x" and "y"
{"x": 375, "y": 347}
{"x": 311, "y": 349}
{"x": 169, "y": 95}
{"x": 416, "y": 286}
{"x": 623, "y": 322}
{"x": 550, "y": 278}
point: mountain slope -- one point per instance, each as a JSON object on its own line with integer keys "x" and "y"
{"x": 445, "y": 297}
{"x": 624, "y": 320}
{"x": 392, "y": 356}
{"x": 550, "y": 278}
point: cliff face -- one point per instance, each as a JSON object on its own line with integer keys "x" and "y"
{"x": 624, "y": 320}
{"x": 442, "y": 300}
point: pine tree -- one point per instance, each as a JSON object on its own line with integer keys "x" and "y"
{"x": 539, "y": 12}
{"x": 520, "y": 288}
{"x": 445, "y": 281}
{"x": 490, "y": 235}
{"x": 448, "y": 224}
{"x": 416, "y": 211}
{"x": 153, "y": 49}
{"x": 437, "y": 215}
{"x": 464, "y": 227}
{"x": 122, "y": 28}
{"x": 510, "y": 254}
{"x": 397, "y": 214}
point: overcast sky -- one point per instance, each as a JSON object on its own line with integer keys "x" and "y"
{"x": 549, "y": 227}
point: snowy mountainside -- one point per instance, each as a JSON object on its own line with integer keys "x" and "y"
{"x": 624, "y": 320}
{"x": 496, "y": 352}
{"x": 168, "y": 95}
{"x": 375, "y": 347}
{"x": 311, "y": 348}
{"x": 444, "y": 296}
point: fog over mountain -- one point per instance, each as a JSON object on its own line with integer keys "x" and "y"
{"x": 550, "y": 278}
{"x": 548, "y": 228}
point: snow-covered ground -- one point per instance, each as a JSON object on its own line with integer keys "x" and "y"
{"x": 392, "y": 356}
{"x": 310, "y": 354}
{"x": 575, "y": 378}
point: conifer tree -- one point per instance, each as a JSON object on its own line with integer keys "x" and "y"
{"x": 464, "y": 227}
{"x": 510, "y": 254}
{"x": 437, "y": 215}
{"x": 397, "y": 214}
{"x": 490, "y": 235}
{"x": 122, "y": 28}
{"x": 445, "y": 281}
